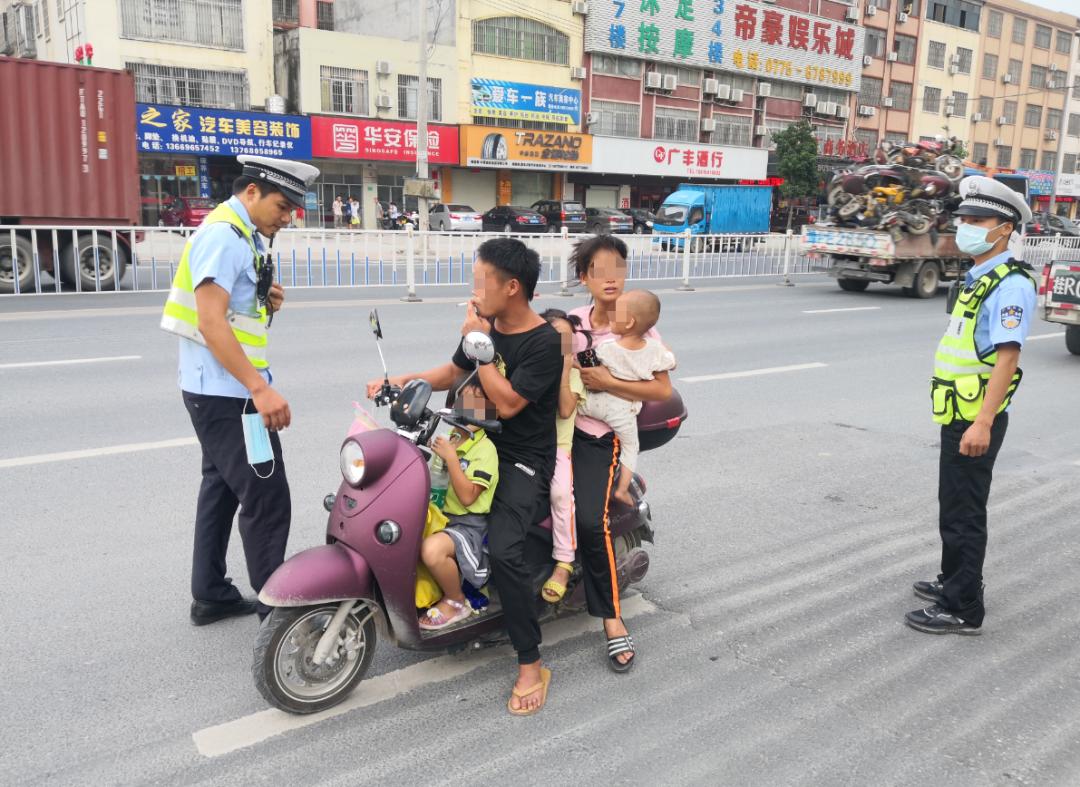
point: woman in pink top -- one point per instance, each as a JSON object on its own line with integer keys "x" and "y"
{"x": 600, "y": 264}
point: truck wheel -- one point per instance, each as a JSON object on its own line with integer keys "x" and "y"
{"x": 926, "y": 282}
{"x": 8, "y": 273}
{"x": 853, "y": 285}
{"x": 1072, "y": 339}
{"x": 81, "y": 263}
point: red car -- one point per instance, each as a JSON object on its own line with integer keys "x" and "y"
{"x": 186, "y": 211}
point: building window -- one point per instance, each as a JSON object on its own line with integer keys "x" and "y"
{"x": 868, "y": 137}
{"x": 1004, "y": 156}
{"x": 1053, "y": 119}
{"x": 990, "y": 66}
{"x": 189, "y": 87}
{"x": 1019, "y": 30}
{"x": 1015, "y": 69}
{"x": 1068, "y": 166}
{"x": 959, "y": 104}
{"x": 963, "y": 60}
{"x": 615, "y": 66}
{"x": 216, "y": 23}
{"x": 870, "y": 92}
{"x": 1033, "y": 116}
{"x": 406, "y": 91}
{"x": 901, "y": 95}
{"x": 931, "y": 100}
{"x": 775, "y": 127}
{"x": 1049, "y": 160}
{"x": 896, "y": 137}
{"x": 986, "y": 108}
{"x": 1043, "y": 35}
{"x": 1064, "y": 42}
{"x": 731, "y": 130}
{"x": 958, "y": 13}
{"x": 882, "y": 4}
{"x": 523, "y": 39}
{"x": 1074, "y": 125}
{"x": 286, "y": 12}
{"x": 935, "y": 54}
{"x": 1027, "y": 158}
{"x": 675, "y": 124}
{"x": 979, "y": 153}
{"x": 738, "y": 81}
{"x": 686, "y": 76}
{"x": 904, "y": 46}
{"x": 1009, "y": 113}
{"x": 344, "y": 90}
{"x": 993, "y": 24}
{"x": 789, "y": 90}
{"x": 615, "y": 119}
{"x": 875, "y": 42}
{"x": 1038, "y": 76}
{"x": 324, "y": 13}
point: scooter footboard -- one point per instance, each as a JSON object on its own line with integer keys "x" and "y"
{"x": 317, "y": 575}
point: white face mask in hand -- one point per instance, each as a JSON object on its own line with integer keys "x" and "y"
{"x": 257, "y": 442}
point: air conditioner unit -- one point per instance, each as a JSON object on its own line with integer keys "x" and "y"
{"x": 866, "y": 111}
{"x": 723, "y": 92}
{"x": 825, "y": 108}
{"x": 578, "y": 72}
{"x": 654, "y": 80}
{"x": 892, "y": 57}
{"x": 737, "y": 95}
{"x": 671, "y": 82}
{"x": 1006, "y": 78}
{"x": 761, "y": 131}
{"x": 948, "y": 111}
{"x": 977, "y": 117}
{"x": 867, "y": 61}
{"x": 708, "y": 125}
{"x": 1053, "y": 67}
{"x": 590, "y": 118}
{"x": 887, "y": 101}
{"x": 871, "y": 9}
{"x": 382, "y": 101}
{"x": 852, "y": 14}
{"x": 1002, "y": 120}
{"x": 810, "y": 101}
{"x": 579, "y": 7}
{"x": 953, "y": 71}
{"x": 901, "y": 17}
{"x": 764, "y": 89}
{"x": 710, "y": 86}
{"x": 382, "y": 67}
{"x": 843, "y": 111}
{"x": 1000, "y": 142}
{"x": 1051, "y": 134}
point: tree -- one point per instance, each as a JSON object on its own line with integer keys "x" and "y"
{"x": 796, "y": 163}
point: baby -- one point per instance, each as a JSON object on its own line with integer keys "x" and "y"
{"x": 630, "y": 357}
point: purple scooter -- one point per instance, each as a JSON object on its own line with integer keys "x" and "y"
{"x": 331, "y": 602}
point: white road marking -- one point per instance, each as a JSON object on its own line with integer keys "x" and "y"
{"x": 257, "y": 727}
{"x": 71, "y": 362}
{"x": 90, "y": 453}
{"x": 752, "y": 373}
{"x": 848, "y": 309}
{"x": 1045, "y": 336}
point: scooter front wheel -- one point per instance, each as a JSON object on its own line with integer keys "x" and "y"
{"x": 284, "y": 668}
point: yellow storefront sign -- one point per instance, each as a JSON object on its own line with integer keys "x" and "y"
{"x": 515, "y": 148}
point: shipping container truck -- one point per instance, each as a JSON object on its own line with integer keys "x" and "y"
{"x": 713, "y": 210}
{"x": 67, "y": 160}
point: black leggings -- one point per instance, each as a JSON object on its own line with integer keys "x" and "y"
{"x": 596, "y": 462}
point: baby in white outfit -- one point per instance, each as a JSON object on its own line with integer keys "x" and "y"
{"x": 631, "y": 357}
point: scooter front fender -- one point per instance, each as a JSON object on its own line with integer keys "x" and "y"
{"x": 317, "y": 575}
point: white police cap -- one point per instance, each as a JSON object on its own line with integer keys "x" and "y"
{"x": 987, "y": 197}
{"x": 292, "y": 178}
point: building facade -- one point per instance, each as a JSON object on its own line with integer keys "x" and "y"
{"x": 946, "y": 79}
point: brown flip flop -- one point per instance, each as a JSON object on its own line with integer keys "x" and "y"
{"x": 545, "y": 681}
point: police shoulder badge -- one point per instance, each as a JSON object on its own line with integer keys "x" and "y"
{"x": 1011, "y": 317}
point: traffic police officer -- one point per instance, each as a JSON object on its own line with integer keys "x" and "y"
{"x": 976, "y": 373}
{"x": 221, "y": 303}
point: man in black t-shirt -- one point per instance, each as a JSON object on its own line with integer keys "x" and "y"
{"x": 523, "y": 382}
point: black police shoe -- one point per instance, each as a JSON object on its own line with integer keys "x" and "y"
{"x": 938, "y": 620}
{"x": 931, "y": 591}
{"x": 204, "y": 612}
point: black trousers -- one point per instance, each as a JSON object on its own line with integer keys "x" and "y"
{"x": 228, "y": 483}
{"x": 963, "y": 490}
{"x": 596, "y": 462}
{"x": 519, "y": 498}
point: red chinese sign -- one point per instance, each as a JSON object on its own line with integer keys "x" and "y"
{"x": 843, "y": 148}
{"x": 380, "y": 140}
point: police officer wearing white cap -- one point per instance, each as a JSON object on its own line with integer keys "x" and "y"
{"x": 976, "y": 373}
{"x": 222, "y": 300}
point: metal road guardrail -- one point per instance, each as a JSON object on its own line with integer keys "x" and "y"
{"x": 42, "y": 260}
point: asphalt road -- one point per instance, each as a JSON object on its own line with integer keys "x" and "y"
{"x": 792, "y": 513}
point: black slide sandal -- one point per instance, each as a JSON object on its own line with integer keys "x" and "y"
{"x": 616, "y": 646}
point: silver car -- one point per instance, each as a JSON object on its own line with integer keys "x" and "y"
{"x": 454, "y": 218}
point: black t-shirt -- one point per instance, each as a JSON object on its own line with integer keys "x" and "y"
{"x": 533, "y": 362}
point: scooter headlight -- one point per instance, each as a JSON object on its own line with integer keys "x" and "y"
{"x": 352, "y": 463}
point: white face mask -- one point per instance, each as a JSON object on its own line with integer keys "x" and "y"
{"x": 971, "y": 239}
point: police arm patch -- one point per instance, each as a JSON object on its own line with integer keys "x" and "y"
{"x": 1011, "y": 317}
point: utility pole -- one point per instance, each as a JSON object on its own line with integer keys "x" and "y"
{"x": 1061, "y": 138}
{"x": 422, "y": 99}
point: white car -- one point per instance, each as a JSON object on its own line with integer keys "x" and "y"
{"x": 454, "y": 218}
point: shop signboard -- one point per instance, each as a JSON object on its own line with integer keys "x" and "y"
{"x": 496, "y": 98}
{"x": 162, "y": 128}
{"x": 742, "y": 37}
{"x": 617, "y": 156}
{"x": 204, "y": 177}
{"x": 380, "y": 140}
{"x": 1039, "y": 183}
{"x": 515, "y": 148}
{"x": 1068, "y": 185}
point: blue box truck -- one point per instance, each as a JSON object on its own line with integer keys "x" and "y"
{"x": 712, "y": 210}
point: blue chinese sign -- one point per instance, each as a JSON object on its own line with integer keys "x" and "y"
{"x": 494, "y": 98}
{"x": 221, "y": 132}
{"x": 1040, "y": 182}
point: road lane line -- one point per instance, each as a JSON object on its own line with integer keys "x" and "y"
{"x": 752, "y": 373}
{"x": 91, "y": 453}
{"x": 848, "y": 309}
{"x": 257, "y": 727}
{"x": 1045, "y": 336}
{"x": 70, "y": 362}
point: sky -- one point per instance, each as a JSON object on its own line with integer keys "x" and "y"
{"x": 1065, "y": 6}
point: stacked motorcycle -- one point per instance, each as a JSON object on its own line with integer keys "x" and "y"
{"x": 911, "y": 188}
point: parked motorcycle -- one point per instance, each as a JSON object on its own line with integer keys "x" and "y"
{"x": 331, "y": 602}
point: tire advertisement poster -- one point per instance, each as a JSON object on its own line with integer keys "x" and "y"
{"x": 515, "y": 148}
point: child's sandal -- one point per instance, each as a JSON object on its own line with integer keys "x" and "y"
{"x": 553, "y": 591}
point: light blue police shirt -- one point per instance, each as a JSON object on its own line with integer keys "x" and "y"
{"x": 220, "y": 256}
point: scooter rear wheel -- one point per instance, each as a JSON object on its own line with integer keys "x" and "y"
{"x": 284, "y": 671}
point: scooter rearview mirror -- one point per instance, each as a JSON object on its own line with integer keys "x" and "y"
{"x": 373, "y": 320}
{"x": 478, "y": 347}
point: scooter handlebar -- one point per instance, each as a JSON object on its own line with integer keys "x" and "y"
{"x": 494, "y": 427}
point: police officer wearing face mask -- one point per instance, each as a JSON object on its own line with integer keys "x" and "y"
{"x": 976, "y": 373}
{"x": 221, "y": 303}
